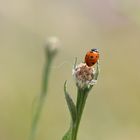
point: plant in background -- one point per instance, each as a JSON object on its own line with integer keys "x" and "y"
{"x": 51, "y": 49}
{"x": 85, "y": 77}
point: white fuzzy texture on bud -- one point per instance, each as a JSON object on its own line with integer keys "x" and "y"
{"x": 52, "y": 43}
{"x": 84, "y": 75}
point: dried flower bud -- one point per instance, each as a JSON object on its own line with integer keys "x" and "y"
{"x": 52, "y": 45}
{"x": 84, "y": 75}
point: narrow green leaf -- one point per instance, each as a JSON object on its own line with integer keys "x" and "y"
{"x": 71, "y": 105}
{"x": 75, "y": 62}
{"x": 67, "y": 136}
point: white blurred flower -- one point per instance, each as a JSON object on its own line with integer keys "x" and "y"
{"x": 52, "y": 44}
{"x": 84, "y": 75}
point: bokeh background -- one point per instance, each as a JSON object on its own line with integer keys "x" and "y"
{"x": 113, "y": 26}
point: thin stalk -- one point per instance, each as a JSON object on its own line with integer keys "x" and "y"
{"x": 36, "y": 116}
{"x": 81, "y": 100}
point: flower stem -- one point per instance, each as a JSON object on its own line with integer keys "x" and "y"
{"x": 36, "y": 116}
{"x": 81, "y": 100}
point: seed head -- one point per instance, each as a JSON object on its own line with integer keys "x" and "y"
{"x": 84, "y": 75}
{"x": 52, "y": 45}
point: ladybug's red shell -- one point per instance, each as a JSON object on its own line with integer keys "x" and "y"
{"x": 91, "y": 58}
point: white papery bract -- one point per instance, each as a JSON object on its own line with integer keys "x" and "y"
{"x": 84, "y": 75}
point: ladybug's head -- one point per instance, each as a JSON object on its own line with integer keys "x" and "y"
{"x": 94, "y": 50}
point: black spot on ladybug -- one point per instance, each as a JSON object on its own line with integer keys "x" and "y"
{"x": 91, "y": 56}
{"x": 93, "y": 63}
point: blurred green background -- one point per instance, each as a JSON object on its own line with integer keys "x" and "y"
{"x": 113, "y": 26}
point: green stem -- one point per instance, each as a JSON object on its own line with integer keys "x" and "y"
{"x": 41, "y": 100}
{"x": 81, "y": 100}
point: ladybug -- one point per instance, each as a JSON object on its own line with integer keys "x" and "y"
{"x": 92, "y": 57}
